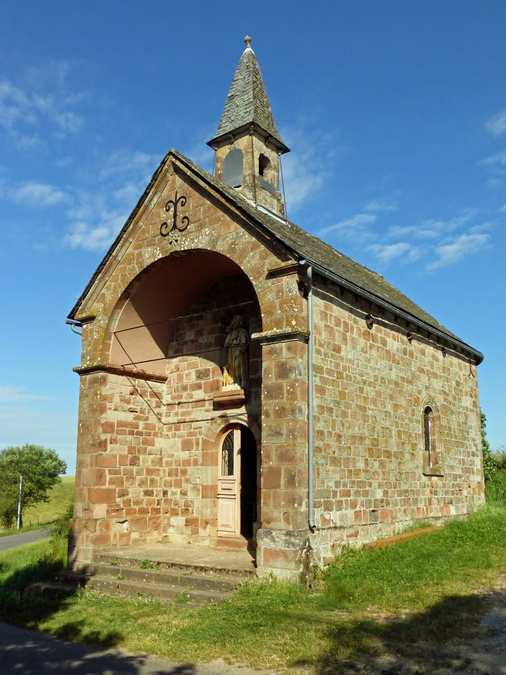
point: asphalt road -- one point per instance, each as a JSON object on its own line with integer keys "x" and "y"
{"x": 29, "y": 653}
{"x": 14, "y": 540}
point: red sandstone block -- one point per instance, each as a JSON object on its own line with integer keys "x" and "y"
{"x": 208, "y": 491}
{"x": 280, "y": 558}
{"x": 108, "y": 427}
{"x": 106, "y": 461}
{"x": 271, "y": 477}
{"x": 103, "y": 539}
{"x": 101, "y": 495}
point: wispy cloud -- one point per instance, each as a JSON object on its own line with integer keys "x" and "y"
{"x": 33, "y": 193}
{"x": 458, "y": 248}
{"x": 496, "y": 124}
{"x": 97, "y": 213}
{"x": 385, "y": 253}
{"x": 12, "y": 394}
{"x": 43, "y": 102}
{"x": 433, "y": 228}
{"x": 498, "y": 160}
{"x": 352, "y": 227}
{"x": 381, "y": 205}
{"x": 310, "y": 165}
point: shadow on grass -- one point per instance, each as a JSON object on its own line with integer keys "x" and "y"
{"x": 417, "y": 643}
{"x": 26, "y": 600}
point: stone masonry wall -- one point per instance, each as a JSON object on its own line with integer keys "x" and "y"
{"x": 148, "y": 449}
{"x": 371, "y": 387}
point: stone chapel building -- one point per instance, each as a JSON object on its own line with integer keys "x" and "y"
{"x": 245, "y": 385}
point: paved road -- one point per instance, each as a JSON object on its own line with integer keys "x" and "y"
{"x": 25, "y": 538}
{"x": 30, "y": 653}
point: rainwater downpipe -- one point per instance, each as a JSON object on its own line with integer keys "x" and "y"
{"x": 310, "y": 396}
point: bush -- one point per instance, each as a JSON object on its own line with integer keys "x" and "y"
{"x": 489, "y": 465}
{"x": 495, "y": 488}
{"x": 500, "y": 458}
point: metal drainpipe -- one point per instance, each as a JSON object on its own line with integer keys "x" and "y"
{"x": 310, "y": 396}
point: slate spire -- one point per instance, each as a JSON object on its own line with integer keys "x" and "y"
{"x": 247, "y": 104}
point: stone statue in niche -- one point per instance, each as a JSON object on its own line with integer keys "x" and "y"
{"x": 235, "y": 372}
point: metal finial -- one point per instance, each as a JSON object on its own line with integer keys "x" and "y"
{"x": 247, "y": 41}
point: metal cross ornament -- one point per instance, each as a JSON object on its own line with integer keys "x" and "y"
{"x": 173, "y": 229}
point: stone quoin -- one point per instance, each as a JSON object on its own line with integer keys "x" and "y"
{"x": 244, "y": 384}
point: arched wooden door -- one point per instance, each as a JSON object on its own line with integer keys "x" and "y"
{"x": 237, "y": 484}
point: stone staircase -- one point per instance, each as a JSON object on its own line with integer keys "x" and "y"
{"x": 184, "y": 583}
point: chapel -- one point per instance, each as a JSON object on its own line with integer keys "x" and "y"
{"x": 245, "y": 386}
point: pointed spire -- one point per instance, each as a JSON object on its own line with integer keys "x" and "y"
{"x": 247, "y": 103}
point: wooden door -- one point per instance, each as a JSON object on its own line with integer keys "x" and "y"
{"x": 229, "y": 485}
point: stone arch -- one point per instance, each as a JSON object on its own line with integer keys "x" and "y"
{"x": 431, "y": 436}
{"x": 189, "y": 272}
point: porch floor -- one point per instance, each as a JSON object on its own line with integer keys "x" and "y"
{"x": 195, "y": 555}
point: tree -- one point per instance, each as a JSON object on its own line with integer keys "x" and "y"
{"x": 40, "y": 468}
{"x": 489, "y": 464}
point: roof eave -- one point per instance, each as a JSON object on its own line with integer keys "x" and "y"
{"x": 460, "y": 344}
{"x": 228, "y": 136}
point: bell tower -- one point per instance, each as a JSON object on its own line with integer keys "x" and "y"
{"x": 247, "y": 144}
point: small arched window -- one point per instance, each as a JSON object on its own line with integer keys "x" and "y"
{"x": 264, "y": 164}
{"x": 232, "y": 170}
{"x": 431, "y": 434}
{"x": 428, "y": 434}
{"x": 227, "y": 455}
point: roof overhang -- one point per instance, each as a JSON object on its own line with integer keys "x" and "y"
{"x": 249, "y": 128}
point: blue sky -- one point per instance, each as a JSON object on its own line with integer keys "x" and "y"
{"x": 395, "y": 113}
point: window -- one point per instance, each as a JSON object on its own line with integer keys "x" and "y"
{"x": 267, "y": 173}
{"x": 227, "y": 455}
{"x": 428, "y": 431}
{"x": 264, "y": 166}
{"x": 233, "y": 168}
{"x": 431, "y": 465}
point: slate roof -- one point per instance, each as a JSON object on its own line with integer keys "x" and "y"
{"x": 302, "y": 244}
{"x": 247, "y": 102}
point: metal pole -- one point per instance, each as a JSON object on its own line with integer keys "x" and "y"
{"x": 20, "y": 495}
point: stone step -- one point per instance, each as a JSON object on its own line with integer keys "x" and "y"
{"x": 131, "y": 588}
{"x": 169, "y": 577}
{"x": 196, "y": 568}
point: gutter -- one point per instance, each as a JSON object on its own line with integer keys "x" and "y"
{"x": 74, "y": 325}
{"x": 394, "y": 309}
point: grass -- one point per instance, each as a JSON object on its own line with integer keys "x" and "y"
{"x": 59, "y": 499}
{"x": 370, "y": 601}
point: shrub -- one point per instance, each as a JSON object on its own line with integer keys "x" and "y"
{"x": 489, "y": 465}
{"x": 495, "y": 488}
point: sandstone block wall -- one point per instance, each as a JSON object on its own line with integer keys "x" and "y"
{"x": 371, "y": 387}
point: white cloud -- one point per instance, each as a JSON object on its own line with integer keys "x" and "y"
{"x": 499, "y": 159}
{"x": 351, "y": 227}
{"x": 98, "y": 213}
{"x": 45, "y": 101}
{"x": 34, "y": 193}
{"x": 496, "y": 124}
{"x": 309, "y": 166}
{"x": 433, "y": 228}
{"x": 502, "y": 209}
{"x": 10, "y": 394}
{"x": 451, "y": 252}
{"x": 388, "y": 252}
{"x": 94, "y": 237}
{"x": 381, "y": 205}
{"x": 128, "y": 162}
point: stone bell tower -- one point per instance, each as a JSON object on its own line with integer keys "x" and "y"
{"x": 247, "y": 144}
